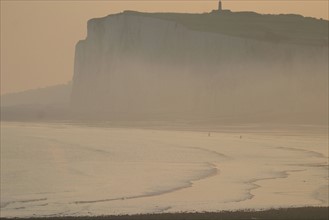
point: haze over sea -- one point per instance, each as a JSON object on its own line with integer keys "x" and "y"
{"x": 168, "y": 113}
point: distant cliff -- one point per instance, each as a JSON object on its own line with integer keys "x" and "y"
{"x": 232, "y": 66}
{"x": 47, "y": 103}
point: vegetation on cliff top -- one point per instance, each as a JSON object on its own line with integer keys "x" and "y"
{"x": 284, "y": 28}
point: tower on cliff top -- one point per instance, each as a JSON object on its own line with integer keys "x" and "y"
{"x": 219, "y": 6}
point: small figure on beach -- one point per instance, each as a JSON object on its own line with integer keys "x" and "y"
{"x": 208, "y": 134}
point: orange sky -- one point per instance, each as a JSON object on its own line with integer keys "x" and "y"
{"x": 38, "y": 37}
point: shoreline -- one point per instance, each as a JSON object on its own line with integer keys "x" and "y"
{"x": 191, "y": 126}
{"x": 274, "y": 193}
{"x": 309, "y": 213}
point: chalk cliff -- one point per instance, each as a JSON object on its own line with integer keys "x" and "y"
{"x": 225, "y": 66}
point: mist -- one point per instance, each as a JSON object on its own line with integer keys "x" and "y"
{"x": 175, "y": 113}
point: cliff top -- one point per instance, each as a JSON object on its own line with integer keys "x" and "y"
{"x": 285, "y": 28}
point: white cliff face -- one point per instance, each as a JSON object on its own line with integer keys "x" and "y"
{"x": 132, "y": 66}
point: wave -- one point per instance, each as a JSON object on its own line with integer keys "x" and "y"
{"x": 189, "y": 183}
{"x": 309, "y": 152}
{"x": 5, "y": 204}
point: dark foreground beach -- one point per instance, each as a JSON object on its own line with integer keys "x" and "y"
{"x": 309, "y": 213}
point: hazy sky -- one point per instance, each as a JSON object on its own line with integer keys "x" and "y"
{"x": 38, "y": 37}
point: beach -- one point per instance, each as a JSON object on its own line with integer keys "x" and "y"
{"x": 67, "y": 169}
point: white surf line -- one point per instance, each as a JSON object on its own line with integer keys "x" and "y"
{"x": 323, "y": 165}
{"x": 252, "y": 183}
{"x": 54, "y": 192}
{"x": 161, "y": 210}
{"x": 208, "y": 151}
{"x": 73, "y": 145}
{"x": 27, "y": 207}
{"x": 310, "y": 152}
{"x": 221, "y": 155}
{"x": 212, "y": 172}
{"x": 59, "y": 214}
{"x": 5, "y": 204}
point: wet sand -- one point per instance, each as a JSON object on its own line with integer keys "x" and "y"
{"x": 57, "y": 170}
{"x": 308, "y": 213}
